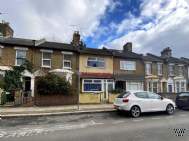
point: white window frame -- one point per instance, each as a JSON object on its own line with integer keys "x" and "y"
{"x": 181, "y": 70}
{"x": 46, "y": 51}
{"x": 160, "y": 68}
{"x": 124, "y": 65}
{"x": 96, "y": 59}
{"x": 139, "y": 84}
{"x": 171, "y": 73}
{"x": 20, "y": 49}
{"x": 102, "y": 87}
{"x": 68, "y": 61}
{"x": 148, "y": 72}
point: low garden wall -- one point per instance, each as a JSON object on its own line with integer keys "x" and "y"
{"x": 112, "y": 97}
{"x": 54, "y": 100}
{"x": 90, "y": 98}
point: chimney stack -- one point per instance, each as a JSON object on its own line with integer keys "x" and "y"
{"x": 166, "y": 53}
{"x": 5, "y": 30}
{"x": 76, "y": 39}
{"x": 127, "y": 47}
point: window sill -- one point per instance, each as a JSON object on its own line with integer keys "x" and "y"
{"x": 46, "y": 67}
{"x": 66, "y": 68}
{"x": 95, "y": 67}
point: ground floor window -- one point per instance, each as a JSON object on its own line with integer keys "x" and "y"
{"x": 180, "y": 86}
{"x": 183, "y": 86}
{"x": 97, "y": 85}
{"x": 152, "y": 86}
{"x": 177, "y": 87}
{"x": 134, "y": 86}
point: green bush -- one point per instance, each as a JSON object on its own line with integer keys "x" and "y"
{"x": 53, "y": 84}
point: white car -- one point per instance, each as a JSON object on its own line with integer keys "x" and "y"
{"x": 137, "y": 102}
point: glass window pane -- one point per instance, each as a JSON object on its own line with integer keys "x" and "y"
{"x": 92, "y": 87}
{"x": 67, "y": 57}
{"x": 46, "y": 55}
{"x": 67, "y": 64}
{"x": 92, "y": 63}
{"x": 20, "y": 61}
{"x": 46, "y": 63}
{"x": 21, "y": 54}
{"x": 141, "y": 95}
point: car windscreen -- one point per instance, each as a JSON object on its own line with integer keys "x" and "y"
{"x": 123, "y": 94}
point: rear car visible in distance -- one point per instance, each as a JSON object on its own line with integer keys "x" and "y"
{"x": 182, "y": 100}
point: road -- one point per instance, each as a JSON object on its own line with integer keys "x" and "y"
{"x": 96, "y": 127}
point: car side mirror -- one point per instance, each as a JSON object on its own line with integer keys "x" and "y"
{"x": 161, "y": 98}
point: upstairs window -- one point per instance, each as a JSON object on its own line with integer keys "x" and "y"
{"x": 148, "y": 68}
{"x": 171, "y": 69}
{"x": 160, "y": 68}
{"x": 20, "y": 57}
{"x": 180, "y": 70}
{"x": 46, "y": 59}
{"x": 96, "y": 62}
{"x": 67, "y": 60}
{"x": 128, "y": 65}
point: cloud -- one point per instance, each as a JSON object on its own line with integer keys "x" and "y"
{"x": 168, "y": 27}
{"x": 54, "y": 20}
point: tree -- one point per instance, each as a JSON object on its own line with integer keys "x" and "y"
{"x": 12, "y": 79}
{"x": 53, "y": 84}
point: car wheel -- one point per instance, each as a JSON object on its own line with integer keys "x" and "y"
{"x": 135, "y": 111}
{"x": 170, "y": 109}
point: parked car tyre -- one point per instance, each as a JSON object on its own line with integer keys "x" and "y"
{"x": 170, "y": 109}
{"x": 135, "y": 111}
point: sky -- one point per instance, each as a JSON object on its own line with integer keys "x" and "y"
{"x": 150, "y": 25}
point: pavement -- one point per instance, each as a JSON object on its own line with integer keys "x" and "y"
{"x": 10, "y": 112}
{"x": 108, "y": 126}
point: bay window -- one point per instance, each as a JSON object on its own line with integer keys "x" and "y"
{"x": 128, "y": 65}
{"x": 183, "y": 86}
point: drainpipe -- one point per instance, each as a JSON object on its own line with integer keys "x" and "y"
{"x": 78, "y": 90}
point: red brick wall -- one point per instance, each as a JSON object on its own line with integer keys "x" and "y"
{"x": 54, "y": 100}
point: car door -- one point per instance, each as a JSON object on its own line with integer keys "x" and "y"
{"x": 157, "y": 104}
{"x": 142, "y": 101}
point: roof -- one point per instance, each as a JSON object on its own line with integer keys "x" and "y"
{"x": 95, "y": 51}
{"x": 174, "y": 60}
{"x": 152, "y": 58}
{"x": 126, "y": 54}
{"x": 30, "y": 43}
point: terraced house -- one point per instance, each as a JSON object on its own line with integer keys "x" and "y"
{"x": 59, "y": 58}
{"x": 96, "y": 73}
{"x": 128, "y": 69}
{"x": 165, "y": 74}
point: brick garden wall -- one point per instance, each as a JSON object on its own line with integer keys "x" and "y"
{"x": 54, "y": 100}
